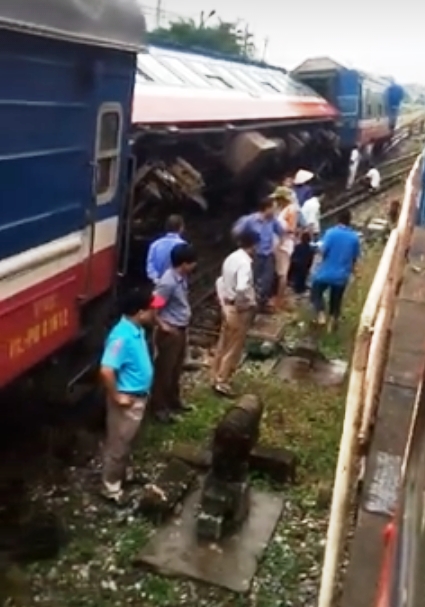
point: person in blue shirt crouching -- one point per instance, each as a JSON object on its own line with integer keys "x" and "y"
{"x": 127, "y": 374}
{"x": 340, "y": 251}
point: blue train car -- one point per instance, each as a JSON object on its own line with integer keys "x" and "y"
{"x": 67, "y": 72}
{"x": 368, "y": 105}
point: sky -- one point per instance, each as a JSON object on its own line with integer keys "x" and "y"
{"x": 381, "y": 37}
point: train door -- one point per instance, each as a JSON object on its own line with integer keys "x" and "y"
{"x": 348, "y": 103}
{"x": 348, "y": 93}
{"x": 102, "y": 220}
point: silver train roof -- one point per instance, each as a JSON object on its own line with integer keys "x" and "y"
{"x": 110, "y": 23}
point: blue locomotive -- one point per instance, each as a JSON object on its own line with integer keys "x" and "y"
{"x": 368, "y": 105}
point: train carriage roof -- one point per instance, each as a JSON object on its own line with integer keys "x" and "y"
{"x": 206, "y": 89}
{"x": 327, "y": 64}
{"x": 111, "y": 23}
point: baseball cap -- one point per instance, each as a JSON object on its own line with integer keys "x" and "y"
{"x": 157, "y": 302}
{"x": 135, "y": 300}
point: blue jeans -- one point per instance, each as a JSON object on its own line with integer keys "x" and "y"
{"x": 264, "y": 272}
{"x": 336, "y": 294}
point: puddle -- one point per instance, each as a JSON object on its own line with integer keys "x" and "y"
{"x": 322, "y": 372}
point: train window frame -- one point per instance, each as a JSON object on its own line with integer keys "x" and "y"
{"x": 112, "y": 155}
{"x": 164, "y": 76}
{"x": 269, "y": 87}
{"x": 244, "y": 76}
{"x": 205, "y": 71}
{"x": 216, "y": 79}
{"x": 144, "y": 76}
{"x": 239, "y": 85}
{"x": 178, "y": 65}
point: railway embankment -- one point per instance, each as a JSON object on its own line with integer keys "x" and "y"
{"x": 100, "y": 565}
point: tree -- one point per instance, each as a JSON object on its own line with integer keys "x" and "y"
{"x": 223, "y": 37}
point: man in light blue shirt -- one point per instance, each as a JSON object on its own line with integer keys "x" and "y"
{"x": 170, "y": 335}
{"x": 158, "y": 259}
{"x": 127, "y": 374}
{"x": 340, "y": 251}
{"x": 267, "y": 227}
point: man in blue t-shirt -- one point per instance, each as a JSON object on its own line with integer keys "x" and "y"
{"x": 127, "y": 374}
{"x": 340, "y": 250}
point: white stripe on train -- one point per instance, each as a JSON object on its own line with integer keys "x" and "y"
{"x": 31, "y": 267}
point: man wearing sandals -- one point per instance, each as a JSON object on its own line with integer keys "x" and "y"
{"x": 235, "y": 291}
{"x": 127, "y": 374}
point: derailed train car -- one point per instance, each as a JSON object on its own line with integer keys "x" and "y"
{"x": 207, "y": 120}
{"x": 208, "y": 130}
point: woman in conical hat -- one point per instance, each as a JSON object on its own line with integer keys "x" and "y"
{"x": 302, "y": 176}
{"x": 302, "y": 186}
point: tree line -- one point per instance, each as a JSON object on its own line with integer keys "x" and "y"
{"x": 231, "y": 38}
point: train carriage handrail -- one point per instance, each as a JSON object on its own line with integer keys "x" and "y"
{"x": 364, "y": 381}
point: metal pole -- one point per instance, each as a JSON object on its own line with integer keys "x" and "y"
{"x": 245, "y": 44}
{"x": 158, "y": 12}
{"x": 266, "y": 44}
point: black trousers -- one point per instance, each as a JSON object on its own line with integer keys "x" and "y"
{"x": 336, "y": 295}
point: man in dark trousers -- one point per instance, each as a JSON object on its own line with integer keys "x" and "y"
{"x": 340, "y": 251}
{"x": 301, "y": 263}
{"x": 170, "y": 334}
{"x": 268, "y": 229}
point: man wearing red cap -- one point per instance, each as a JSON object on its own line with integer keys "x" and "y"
{"x": 127, "y": 374}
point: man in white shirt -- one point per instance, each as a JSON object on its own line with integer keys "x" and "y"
{"x": 311, "y": 214}
{"x": 374, "y": 179}
{"x": 352, "y": 168}
{"x": 236, "y": 293}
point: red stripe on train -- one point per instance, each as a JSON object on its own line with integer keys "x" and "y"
{"x": 41, "y": 319}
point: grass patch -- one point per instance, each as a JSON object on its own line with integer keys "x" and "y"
{"x": 95, "y": 569}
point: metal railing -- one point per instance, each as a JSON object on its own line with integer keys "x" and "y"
{"x": 366, "y": 376}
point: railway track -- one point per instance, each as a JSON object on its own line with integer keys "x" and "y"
{"x": 392, "y": 172}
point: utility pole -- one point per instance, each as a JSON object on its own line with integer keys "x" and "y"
{"x": 245, "y": 41}
{"x": 265, "y": 47}
{"x": 158, "y": 13}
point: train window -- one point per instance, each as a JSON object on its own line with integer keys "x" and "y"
{"x": 282, "y": 85}
{"x": 109, "y": 131}
{"x": 141, "y": 75}
{"x": 263, "y": 79}
{"x": 292, "y": 87}
{"x": 269, "y": 87}
{"x": 204, "y": 70}
{"x": 218, "y": 80}
{"x": 246, "y": 78}
{"x": 159, "y": 72}
{"x": 108, "y": 149}
{"x": 232, "y": 79}
{"x": 184, "y": 71}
